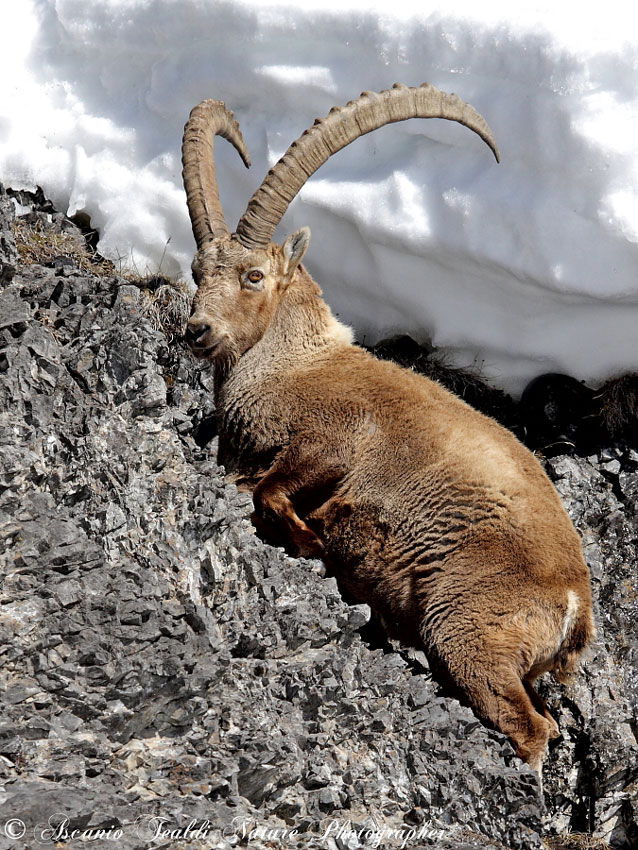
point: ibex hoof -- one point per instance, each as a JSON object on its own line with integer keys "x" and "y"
{"x": 308, "y": 545}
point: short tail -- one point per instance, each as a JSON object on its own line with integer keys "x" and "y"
{"x": 578, "y": 631}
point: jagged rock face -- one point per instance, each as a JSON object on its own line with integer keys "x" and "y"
{"x": 162, "y": 667}
{"x": 8, "y": 252}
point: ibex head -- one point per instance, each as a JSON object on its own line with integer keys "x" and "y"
{"x": 242, "y": 276}
{"x": 238, "y": 291}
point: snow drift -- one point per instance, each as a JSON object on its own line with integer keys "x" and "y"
{"x": 521, "y": 268}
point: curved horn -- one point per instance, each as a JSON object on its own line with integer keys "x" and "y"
{"x": 340, "y": 127}
{"x": 207, "y": 120}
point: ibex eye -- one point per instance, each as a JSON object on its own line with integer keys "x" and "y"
{"x": 255, "y": 276}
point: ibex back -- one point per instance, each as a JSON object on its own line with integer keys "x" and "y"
{"x": 430, "y": 512}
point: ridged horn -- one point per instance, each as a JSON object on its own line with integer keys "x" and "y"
{"x": 340, "y": 127}
{"x": 207, "y": 120}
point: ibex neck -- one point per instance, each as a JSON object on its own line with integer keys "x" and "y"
{"x": 302, "y": 326}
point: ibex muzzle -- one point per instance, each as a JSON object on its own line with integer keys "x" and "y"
{"x": 430, "y": 512}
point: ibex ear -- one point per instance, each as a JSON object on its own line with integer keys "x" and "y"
{"x": 294, "y": 248}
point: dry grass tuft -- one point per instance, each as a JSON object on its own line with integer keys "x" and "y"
{"x": 166, "y": 305}
{"x": 576, "y": 841}
{"x": 37, "y": 243}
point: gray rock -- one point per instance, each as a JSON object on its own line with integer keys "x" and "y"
{"x": 8, "y": 250}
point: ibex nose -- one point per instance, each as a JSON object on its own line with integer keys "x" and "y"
{"x": 194, "y": 330}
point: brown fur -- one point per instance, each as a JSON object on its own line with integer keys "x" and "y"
{"x": 427, "y": 510}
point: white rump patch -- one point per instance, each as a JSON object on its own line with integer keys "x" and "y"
{"x": 570, "y": 615}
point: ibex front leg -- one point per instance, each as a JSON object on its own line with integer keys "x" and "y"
{"x": 304, "y": 470}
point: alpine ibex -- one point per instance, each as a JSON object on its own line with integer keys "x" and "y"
{"x": 425, "y": 509}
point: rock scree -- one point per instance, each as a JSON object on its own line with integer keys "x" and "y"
{"x": 168, "y": 680}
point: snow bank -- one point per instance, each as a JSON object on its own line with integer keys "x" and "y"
{"x": 520, "y": 268}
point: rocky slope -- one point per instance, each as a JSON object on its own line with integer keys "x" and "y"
{"x": 174, "y": 682}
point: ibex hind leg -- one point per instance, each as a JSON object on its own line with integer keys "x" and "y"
{"x": 491, "y": 685}
{"x": 539, "y": 704}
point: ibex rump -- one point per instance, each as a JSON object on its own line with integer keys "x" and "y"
{"x": 430, "y": 512}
